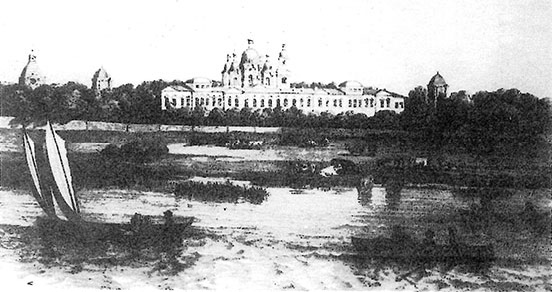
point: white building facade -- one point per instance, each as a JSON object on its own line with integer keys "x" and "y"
{"x": 257, "y": 83}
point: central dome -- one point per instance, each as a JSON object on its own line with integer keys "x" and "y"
{"x": 250, "y": 55}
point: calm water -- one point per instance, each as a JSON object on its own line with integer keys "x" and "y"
{"x": 309, "y": 219}
{"x": 295, "y": 239}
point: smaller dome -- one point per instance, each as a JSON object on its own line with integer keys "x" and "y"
{"x": 199, "y": 80}
{"x": 31, "y": 75}
{"x": 438, "y": 80}
{"x": 350, "y": 84}
{"x": 101, "y": 74}
{"x": 283, "y": 53}
{"x": 267, "y": 65}
{"x": 227, "y": 64}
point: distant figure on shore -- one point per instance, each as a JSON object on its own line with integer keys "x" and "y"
{"x": 429, "y": 239}
{"x": 399, "y": 235}
{"x": 169, "y": 219}
{"x": 428, "y": 250}
{"x": 454, "y": 246}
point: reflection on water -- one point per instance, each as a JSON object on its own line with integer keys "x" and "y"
{"x": 296, "y": 236}
{"x": 321, "y": 219}
{"x": 375, "y": 196}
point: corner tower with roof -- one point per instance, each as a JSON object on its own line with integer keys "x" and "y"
{"x": 101, "y": 81}
{"x": 436, "y": 88}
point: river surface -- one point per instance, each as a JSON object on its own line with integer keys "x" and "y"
{"x": 295, "y": 239}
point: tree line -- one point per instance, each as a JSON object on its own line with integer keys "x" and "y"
{"x": 483, "y": 122}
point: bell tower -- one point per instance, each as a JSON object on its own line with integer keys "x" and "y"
{"x": 282, "y": 73}
{"x": 31, "y": 76}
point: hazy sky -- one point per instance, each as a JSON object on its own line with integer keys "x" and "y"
{"x": 475, "y": 45}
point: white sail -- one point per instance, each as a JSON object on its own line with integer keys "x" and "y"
{"x": 57, "y": 156}
{"x": 30, "y": 156}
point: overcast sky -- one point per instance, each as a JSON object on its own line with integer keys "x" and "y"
{"x": 398, "y": 45}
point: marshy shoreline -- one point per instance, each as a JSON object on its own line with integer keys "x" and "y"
{"x": 298, "y": 236}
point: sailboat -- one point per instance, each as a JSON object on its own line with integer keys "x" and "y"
{"x": 59, "y": 194}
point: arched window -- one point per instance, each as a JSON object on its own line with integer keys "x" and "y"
{"x": 220, "y": 102}
{"x": 246, "y": 103}
{"x": 278, "y": 102}
{"x": 267, "y": 82}
{"x": 262, "y": 103}
{"x": 301, "y": 102}
{"x": 371, "y": 102}
{"x": 236, "y": 102}
{"x": 285, "y": 102}
{"x": 229, "y": 101}
{"x": 308, "y": 102}
{"x": 350, "y": 103}
{"x": 340, "y": 102}
{"x": 214, "y": 101}
{"x": 270, "y": 103}
{"x": 335, "y": 103}
{"x": 250, "y": 78}
{"x": 327, "y": 103}
{"x": 254, "y": 102}
{"x": 319, "y": 102}
{"x": 388, "y": 101}
{"x": 294, "y": 102}
{"x": 382, "y": 103}
{"x": 284, "y": 80}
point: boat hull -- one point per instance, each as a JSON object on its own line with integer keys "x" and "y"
{"x": 83, "y": 232}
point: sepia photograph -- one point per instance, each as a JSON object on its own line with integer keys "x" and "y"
{"x": 240, "y": 145}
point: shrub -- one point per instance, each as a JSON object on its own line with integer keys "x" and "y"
{"x": 136, "y": 151}
{"x": 220, "y": 192}
{"x": 361, "y": 147}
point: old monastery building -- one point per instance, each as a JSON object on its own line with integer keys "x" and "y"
{"x": 257, "y": 82}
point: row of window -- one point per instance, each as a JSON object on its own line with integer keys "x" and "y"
{"x": 353, "y": 103}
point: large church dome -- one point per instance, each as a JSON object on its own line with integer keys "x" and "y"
{"x": 250, "y": 55}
